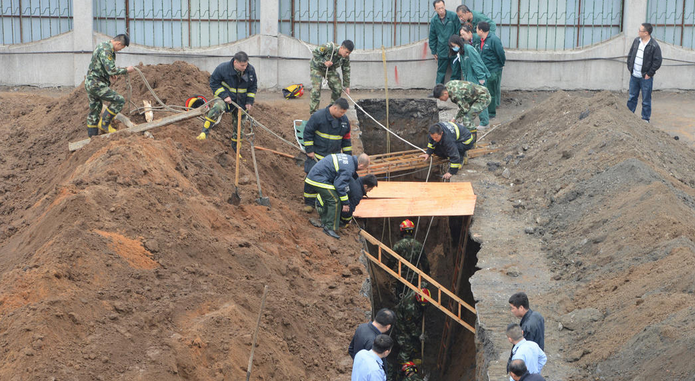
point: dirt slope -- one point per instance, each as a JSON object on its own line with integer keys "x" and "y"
{"x": 611, "y": 200}
{"x": 123, "y": 260}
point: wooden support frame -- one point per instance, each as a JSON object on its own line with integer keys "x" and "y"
{"x": 434, "y": 300}
{"x": 409, "y": 160}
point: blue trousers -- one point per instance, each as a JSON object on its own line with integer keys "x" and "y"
{"x": 644, "y": 85}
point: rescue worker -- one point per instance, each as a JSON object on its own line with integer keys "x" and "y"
{"x": 330, "y": 177}
{"x": 408, "y": 329}
{"x": 410, "y": 372}
{"x": 101, "y": 68}
{"x": 471, "y": 99}
{"x": 324, "y": 64}
{"x": 233, "y": 81}
{"x": 358, "y": 190}
{"x": 326, "y": 132}
{"x": 409, "y": 248}
{"x": 450, "y": 140}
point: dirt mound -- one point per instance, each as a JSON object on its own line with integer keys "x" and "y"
{"x": 612, "y": 200}
{"x": 123, "y": 260}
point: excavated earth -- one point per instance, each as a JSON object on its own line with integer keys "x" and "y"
{"x": 123, "y": 260}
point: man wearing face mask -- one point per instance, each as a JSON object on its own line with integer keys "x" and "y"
{"x": 233, "y": 81}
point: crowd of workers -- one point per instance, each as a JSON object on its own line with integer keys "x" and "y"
{"x": 464, "y": 41}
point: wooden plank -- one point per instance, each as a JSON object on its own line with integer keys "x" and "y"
{"x": 74, "y": 146}
{"x": 124, "y": 119}
{"x": 404, "y": 207}
{"x": 477, "y": 152}
{"x": 406, "y": 189}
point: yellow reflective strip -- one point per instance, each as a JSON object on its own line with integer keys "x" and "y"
{"x": 306, "y": 143}
{"x": 318, "y": 156}
{"x": 335, "y": 163}
{"x": 430, "y": 145}
{"x": 241, "y": 91}
{"x": 347, "y": 149}
{"x": 455, "y": 165}
{"x": 328, "y": 136}
{"x": 344, "y": 198}
{"x": 318, "y": 184}
{"x": 318, "y": 197}
{"x": 456, "y": 128}
{"x": 221, "y": 89}
{"x": 469, "y": 140}
{"x": 251, "y": 95}
{"x": 310, "y": 195}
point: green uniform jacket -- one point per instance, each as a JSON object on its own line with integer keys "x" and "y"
{"x": 472, "y": 66}
{"x": 493, "y": 53}
{"x": 103, "y": 64}
{"x": 329, "y": 52}
{"x": 441, "y": 31}
{"x": 478, "y": 17}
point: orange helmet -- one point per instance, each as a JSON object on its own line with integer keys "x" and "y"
{"x": 409, "y": 367}
{"x": 420, "y": 299}
{"x": 407, "y": 226}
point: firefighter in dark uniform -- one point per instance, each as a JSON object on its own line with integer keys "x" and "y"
{"x": 326, "y": 132}
{"x": 450, "y": 140}
{"x": 233, "y": 81}
{"x": 358, "y": 189}
{"x": 330, "y": 178}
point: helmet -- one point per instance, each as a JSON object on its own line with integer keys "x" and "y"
{"x": 407, "y": 226}
{"x": 409, "y": 367}
{"x": 420, "y": 299}
{"x": 195, "y": 101}
{"x": 293, "y": 91}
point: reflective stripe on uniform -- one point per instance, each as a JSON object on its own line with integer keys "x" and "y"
{"x": 310, "y": 195}
{"x": 456, "y": 128}
{"x": 318, "y": 156}
{"x": 251, "y": 95}
{"x": 218, "y": 91}
{"x": 455, "y": 165}
{"x": 318, "y": 197}
{"x": 318, "y": 184}
{"x": 335, "y": 163}
{"x": 308, "y": 143}
{"x": 430, "y": 146}
{"x": 328, "y": 136}
{"x": 469, "y": 140}
{"x": 344, "y": 198}
{"x": 347, "y": 149}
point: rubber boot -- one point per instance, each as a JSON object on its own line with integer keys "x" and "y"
{"x": 105, "y": 122}
{"x": 206, "y": 128}
{"x": 92, "y": 130}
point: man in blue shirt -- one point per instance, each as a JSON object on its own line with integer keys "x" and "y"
{"x": 369, "y": 364}
{"x": 532, "y": 322}
{"x": 530, "y": 352}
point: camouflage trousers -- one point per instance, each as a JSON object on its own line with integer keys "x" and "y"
{"x": 217, "y": 108}
{"x": 479, "y": 104}
{"x": 334, "y": 83}
{"x": 97, "y": 93}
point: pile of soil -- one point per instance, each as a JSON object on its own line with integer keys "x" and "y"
{"x": 123, "y": 260}
{"x": 612, "y": 200}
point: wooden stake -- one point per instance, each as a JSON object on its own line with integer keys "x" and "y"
{"x": 255, "y": 334}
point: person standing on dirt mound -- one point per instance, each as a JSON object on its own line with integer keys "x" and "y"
{"x": 324, "y": 64}
{"x": 643, "y": 60}
{"x": 472, "y": 100}
{"x": 330, "y": 178}
{"x": 233, "y": 81}
{"x": 532, "y": 322}
{"x": 101, "y": 69}
{"x": 326, "y": 132}
{"x": 411, "y": 249}
{"x": 450, "y": 140}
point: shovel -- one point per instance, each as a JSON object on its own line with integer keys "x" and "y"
{"x": 235, "y": 199}
{"x": 260, "y": 200}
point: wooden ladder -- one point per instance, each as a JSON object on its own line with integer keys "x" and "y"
{"x": 455, "y": 302}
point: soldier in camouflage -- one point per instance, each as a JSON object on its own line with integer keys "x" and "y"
{"x": 327, "y": 59}
{"x": 472, "y": 99}
{"x": 101, "y": 69}
{"x": 410, "y": 372}
{"x": 409, "y": 248}
{"x": 408, "y": 328}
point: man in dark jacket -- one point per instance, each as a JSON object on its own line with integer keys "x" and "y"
{"x": 326, "y": 132}
{"x": 330, "y": 177}
{"x": 643, "y": 61}
{"x": 450, "y": 140}
{"x": 366, "y": 332}
{"x": 358, "y": 190}
{"x": 518, "y": 372}
{"x": 532, "y": 322}
{"x": 442, "y": 26}
{"x": 233, "y": 81}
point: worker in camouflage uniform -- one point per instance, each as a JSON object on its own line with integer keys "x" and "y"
{"x": 410, "y": 249}
{"x": 325, "y": 63}
{"x": 408, "y": 328}
{"x": 101, "y": 69}
{"x": 233, "y": 81}
{"x": 410, "y": 372}
{"x": 472, "y": 99}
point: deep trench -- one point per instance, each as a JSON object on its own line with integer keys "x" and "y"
{"x": 410, "y": 119}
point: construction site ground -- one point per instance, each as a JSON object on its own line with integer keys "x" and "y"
{"x": 123, "y": 260}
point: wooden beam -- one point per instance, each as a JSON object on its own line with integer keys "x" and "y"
{"x": 142, "y": 127}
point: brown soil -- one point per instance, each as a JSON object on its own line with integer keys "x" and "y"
{"x": 123, "y": 260}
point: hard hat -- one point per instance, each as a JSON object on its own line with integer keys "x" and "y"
{"x": 293, "y": 91}
{"x": 409, "y": 367}
{"x": 195, "y": 101}
{"x": 407, "y": 226}
{"x": 420, "y": 299}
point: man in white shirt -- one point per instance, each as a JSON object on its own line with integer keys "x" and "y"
{"x": 643, "y": 60}
{"x": 529, "y": 351}
{"x": 369, "y": 364}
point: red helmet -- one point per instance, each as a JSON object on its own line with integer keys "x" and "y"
{"x": 409, "y": 367}
{"x": 407, "y": 226}
{"x": 420, "y": 299}
{"x": 195, "y": 101}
